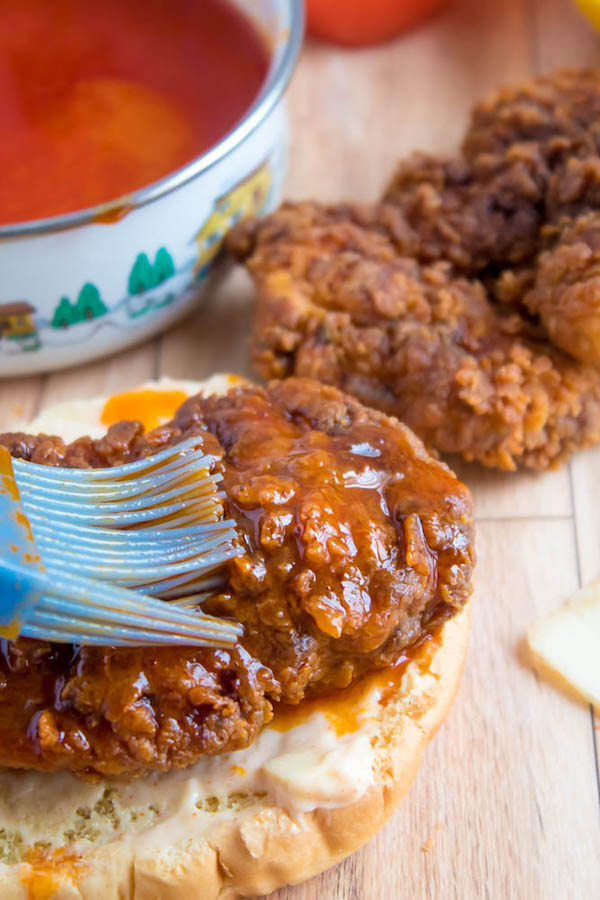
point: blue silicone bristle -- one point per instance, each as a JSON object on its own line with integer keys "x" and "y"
{"x": 89, "y": 555}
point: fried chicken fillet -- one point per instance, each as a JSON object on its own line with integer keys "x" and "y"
{"x": 356, "y": 544}
{"x": 338, "y": 302}
{"x": 526, "y": 190}
{"x": 467, "y": 302}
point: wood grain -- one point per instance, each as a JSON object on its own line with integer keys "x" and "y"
{"x": 506, "y": 804}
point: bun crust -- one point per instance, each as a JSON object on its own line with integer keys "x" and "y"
{"x": 263, "y": 847}
{"x": 260, "y": 846}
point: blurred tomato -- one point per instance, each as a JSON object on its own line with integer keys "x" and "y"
{"x": 591, "y": 9}
{"x": 358, "y": 22}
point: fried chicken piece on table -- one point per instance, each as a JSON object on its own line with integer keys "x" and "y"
{"x": 523, "y": 193}
{"x": 338, "y": 301}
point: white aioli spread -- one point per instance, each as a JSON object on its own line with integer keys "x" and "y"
{"x": 305, "y": 767}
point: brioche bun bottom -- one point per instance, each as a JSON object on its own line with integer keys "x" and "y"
{"x": 261, "y": 845}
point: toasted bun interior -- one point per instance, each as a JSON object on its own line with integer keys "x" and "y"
{"x": 313, "y": 787}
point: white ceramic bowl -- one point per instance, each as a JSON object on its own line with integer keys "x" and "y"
{"x": 84, "y": 285}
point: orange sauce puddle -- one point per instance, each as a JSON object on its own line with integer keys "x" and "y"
{"x": 343, "y": 710}
{"x": 148, "y": 406}
{"x": 99, "y": 99}
{"x": 43, "y": 873}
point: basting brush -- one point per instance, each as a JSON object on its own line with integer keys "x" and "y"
{"x": 88, "y": 556}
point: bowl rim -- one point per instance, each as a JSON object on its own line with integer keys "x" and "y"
{"x": 267, "y": 98}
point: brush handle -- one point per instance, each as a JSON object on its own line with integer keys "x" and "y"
{"x": 20, "y": 562}
{"x": 21, "y": 588}
{"x": 57, "y": 606}
{"x": 58, "y": 602}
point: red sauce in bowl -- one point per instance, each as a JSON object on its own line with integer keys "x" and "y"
{"x": 101, "y": 97}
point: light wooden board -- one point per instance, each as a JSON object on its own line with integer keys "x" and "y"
{"x": 506, "y": 803}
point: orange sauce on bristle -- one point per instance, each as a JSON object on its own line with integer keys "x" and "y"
{"x": 149, "y": 406}
{"x": 7, "y": 474}
{"x": 43, "y": 873}
{"x": 344, "y": 709}
{"x": 153, "y": 407}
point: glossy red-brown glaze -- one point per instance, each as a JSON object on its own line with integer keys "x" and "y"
{"x": 356, "y": 544}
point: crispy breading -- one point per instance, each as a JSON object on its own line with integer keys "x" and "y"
{"x": 467, "y": 302}
{"x": 336, "y": 301}
{"x": 458, "y": 215}
{"x": 562, "y": 286}
{"x": 529, "y": 164}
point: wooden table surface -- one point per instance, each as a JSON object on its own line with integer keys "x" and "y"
{"x": 506, "y": 804}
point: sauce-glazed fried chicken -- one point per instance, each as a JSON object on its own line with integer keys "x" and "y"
{"x": 467, "y": 303}
{"x": 355, "y": 541}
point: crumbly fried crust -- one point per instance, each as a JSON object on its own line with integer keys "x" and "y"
{"x": 562, "y": 288}
{"x": 530, "y": 166}
{"x": 557, "y": 114}
{"x": 495, "y": 354}
{"x": 524, "y": 159}
{"x": 355, "y": 543}
{"x": 471, "y": 220}
{"x": 338, "y": 303}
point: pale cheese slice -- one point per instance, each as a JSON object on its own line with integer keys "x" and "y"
{"x": 566, "y": 645}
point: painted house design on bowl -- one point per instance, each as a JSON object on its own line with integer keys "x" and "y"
{"x": 250, "y": 197}
{"x": 17, "y": 326}
{"x": 153, "y": 282}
